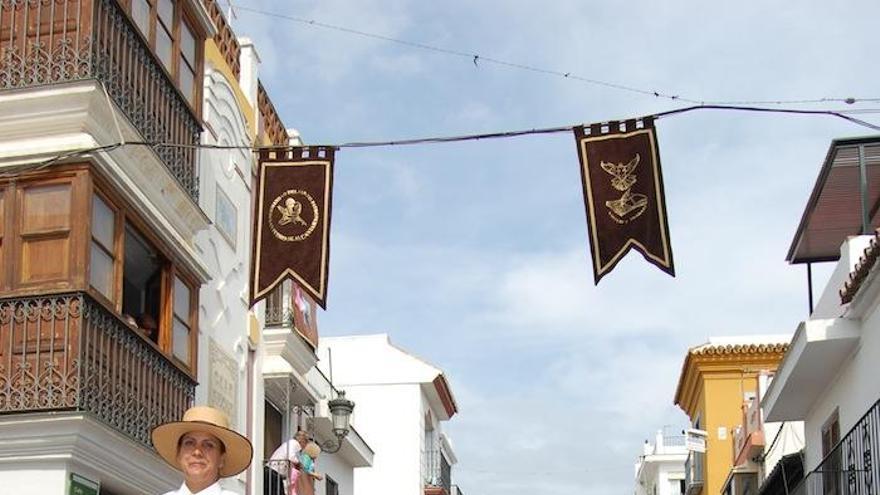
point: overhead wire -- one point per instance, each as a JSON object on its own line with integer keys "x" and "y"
{"x": 460, "y": 138}
{"x": 477, "y": 59}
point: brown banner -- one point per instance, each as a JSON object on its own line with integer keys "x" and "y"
{"x": 292, "y": 221}
{"x": 623, "y": 194}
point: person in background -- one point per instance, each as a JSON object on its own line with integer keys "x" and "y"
{"x": 148, "y": 326}
{"x": 308, "y": 458}
{"x": 287, "y": 460}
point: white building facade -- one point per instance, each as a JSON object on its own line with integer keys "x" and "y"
{"x": 829, "y": 377}
{"x": 401, "y": 405}
{"x": 124, "y": 267}
{"x": 660, "y": 468}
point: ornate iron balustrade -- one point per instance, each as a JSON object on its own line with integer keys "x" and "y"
{"x": 67, "y": 352}
{"x": 850, "y": 468}
{"x": 275, "y": 479}
{"x": 56, "y": 41}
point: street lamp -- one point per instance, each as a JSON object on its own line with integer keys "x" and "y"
{"x": 340, "y": 412}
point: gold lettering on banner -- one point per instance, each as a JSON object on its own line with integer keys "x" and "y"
{"x": 286, "y": 216}
{"x": 630, "y": 205}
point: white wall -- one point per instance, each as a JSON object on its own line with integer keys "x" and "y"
{"x": 388, "y": 417}
{"x": 223, "y": 304}
{"x": 855, "y": 389}
{"x": 341, "y": 472}
{"x": 44, "y": 480}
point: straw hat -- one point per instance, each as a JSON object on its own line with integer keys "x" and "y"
{"x": 208, "y": 420}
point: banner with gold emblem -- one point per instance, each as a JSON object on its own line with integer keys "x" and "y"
{"x": 623, "y": 193}
{"x": 292, "y": 221}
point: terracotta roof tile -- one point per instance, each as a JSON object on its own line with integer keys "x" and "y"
{"x": 860, "y": 272}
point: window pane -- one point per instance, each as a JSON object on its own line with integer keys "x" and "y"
{"x": 2, "y": 223}
{"x": 181, "y": 300}
{"x": 187, "y": 80}
{"x": 103, "y": 221}
{"x": 140, "y": 12}
{"x": 180, "y": 341}
{"x": 166, "y": 12}
{"x": 101, "y": 271}
{"x": 187, "y": 44}
{"x": 163, "y": 47}
{"x": 141, "y": 278}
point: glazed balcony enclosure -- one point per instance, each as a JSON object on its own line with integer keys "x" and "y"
{"x": 97, "y": 312}
{"x": 147, "y": 55}
{"x": 437, "y": 473}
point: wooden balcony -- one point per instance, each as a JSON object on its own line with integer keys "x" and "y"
{"x": 67, "y": 352}
{"x": 57, "y": 41}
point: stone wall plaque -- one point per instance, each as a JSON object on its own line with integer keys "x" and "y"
{"x": 223, "y": 381}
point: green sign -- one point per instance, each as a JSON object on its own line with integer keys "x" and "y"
{"x": 82, "y": 486}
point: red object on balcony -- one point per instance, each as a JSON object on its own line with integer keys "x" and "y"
{"x": 748, "y": 441}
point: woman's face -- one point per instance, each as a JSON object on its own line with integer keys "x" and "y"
{"x": 200, "y": 456}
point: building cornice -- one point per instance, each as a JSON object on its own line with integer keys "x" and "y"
{"x": 719, "y": 359}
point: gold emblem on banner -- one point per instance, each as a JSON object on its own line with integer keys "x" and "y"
{"x": 286, "y": 215}
{"x": 630, "y": 205}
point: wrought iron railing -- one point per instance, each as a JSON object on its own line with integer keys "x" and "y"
{"x": 278, "y": 474}
{"x": 437, "y": 471}
{"x": 55, "y": 41}
{"x": 851, "y": 468}
{"x": 67, "y": 352}
{"x": 279, "y": 311}
{"x": 694, "y": 473}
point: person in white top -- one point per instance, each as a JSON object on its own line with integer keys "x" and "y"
{"x": 289, "y": 450}
{"x": 204, "y": 449}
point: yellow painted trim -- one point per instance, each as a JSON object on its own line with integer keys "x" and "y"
{"x": 218, "y": 62}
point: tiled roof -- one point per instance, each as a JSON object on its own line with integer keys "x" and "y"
{"x": 860, "y": 272}
{"x": 724, "y": 349}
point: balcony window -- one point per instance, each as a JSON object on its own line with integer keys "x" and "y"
{"x": 166, "y": 28}
{"x": 156, "y": 298}
{"x": 110, "y": 254}
{"x": 142, "y": 283}
{"x": 182, "y": 320}
{"x": 140, "y": 12}
{"x": 188, "y": 62}
{"x": 3, "y": 261}
{"x": 102, "y": 251}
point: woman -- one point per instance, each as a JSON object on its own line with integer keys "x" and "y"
{"x": 204, "y": 449}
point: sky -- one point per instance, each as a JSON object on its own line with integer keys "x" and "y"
{"x": 474, "y": 255}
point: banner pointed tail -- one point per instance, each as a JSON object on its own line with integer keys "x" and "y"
{"x": 623, "y": 194}
{"x": 291, "y": 237}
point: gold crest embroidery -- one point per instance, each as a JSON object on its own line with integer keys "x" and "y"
{"x": 630, "y": 205}
{"x": 286, "y": 215}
